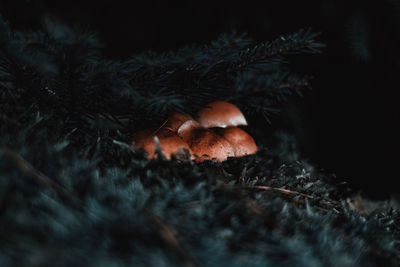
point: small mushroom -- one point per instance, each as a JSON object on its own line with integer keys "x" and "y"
{"x": 221, "y": 114}
{"x": 175, "y": 120}
{"x": 242, "y": 143}
{"x": 186, "y": 129}
{"x": 170, "y": 142}
{"x": 205, "y": 143}
{"x": 182, "y": 131}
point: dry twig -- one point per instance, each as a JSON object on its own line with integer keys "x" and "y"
{"x": 291, "y": 192}
{"x": 169, "y": 236}
{"x": 39, "y": 177}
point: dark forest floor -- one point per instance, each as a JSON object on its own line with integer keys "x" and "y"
{"x": 268, "y": 209}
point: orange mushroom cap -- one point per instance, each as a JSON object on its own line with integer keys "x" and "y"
{"x": 182, "y": 131}
{"x": 186, "y": 129}
{"x": 170, "y": 142}
{"x": 221, "y": 114}
{"x": 241, "y": 141}
{"x": 205, "y": 143}
{"x": 175, "y": 120}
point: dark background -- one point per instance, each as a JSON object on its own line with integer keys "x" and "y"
{"x": 345, "y": 124}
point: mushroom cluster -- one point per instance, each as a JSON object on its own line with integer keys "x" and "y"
{"x": 212, "y": 135}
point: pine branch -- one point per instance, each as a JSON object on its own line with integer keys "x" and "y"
{"x": 62, "y": 71}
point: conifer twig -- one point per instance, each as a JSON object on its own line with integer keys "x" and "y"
{"x": 289, "y": 192}
{"x": 264, "y": 89}
{"x": 39, "y": 177}
{"x": 282, "y": 190}
{"x": 169, "y": 236}
{"x": 26, "y": 167}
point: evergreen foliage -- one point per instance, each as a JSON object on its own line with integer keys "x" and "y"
{"x": 61, "y": 72}
{"x": 74, "y": 192}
